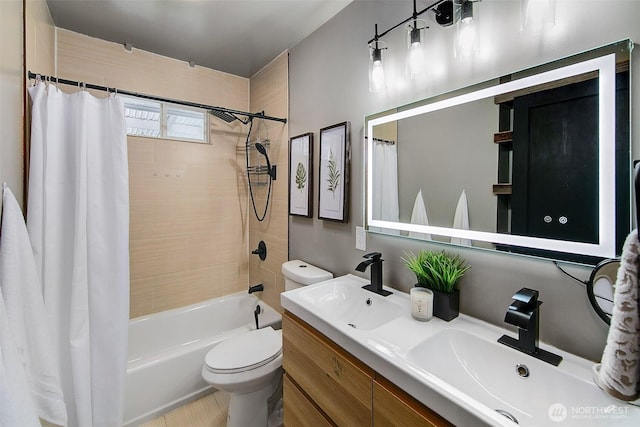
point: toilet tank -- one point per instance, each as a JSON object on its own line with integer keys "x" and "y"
{"x": 299, "y": 273}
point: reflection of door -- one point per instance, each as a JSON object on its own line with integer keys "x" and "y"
{"x": 555, "y": 163}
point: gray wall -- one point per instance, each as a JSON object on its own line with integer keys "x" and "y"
{"x": 328, "y": 85}
{"x": 447, "y": 151}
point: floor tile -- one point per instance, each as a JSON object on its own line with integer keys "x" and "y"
{"x": 209, "y": 411}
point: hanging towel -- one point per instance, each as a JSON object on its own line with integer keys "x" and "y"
{"x": 419, "y": 216}
{"x": 16, "y": 405}
{"x": 619, "y": 371}
{"x": 461, "y": 219}
{"x": 20, "y": 285}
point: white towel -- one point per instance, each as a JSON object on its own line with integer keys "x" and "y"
{"x": 20, "y": 284}
{"x": 16, "y": 405}
{"x": 419, "y": 216}
{"x": 620, "y": 367}
{"x": 461, "y": 219}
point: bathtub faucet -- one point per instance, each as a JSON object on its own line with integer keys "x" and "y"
{"x": 256, "y": 288}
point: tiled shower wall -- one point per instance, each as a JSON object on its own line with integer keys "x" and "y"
{"x": 188, "y": 202}
{"x": 270, "y": 93}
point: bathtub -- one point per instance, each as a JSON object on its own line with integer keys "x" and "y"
{"x": 167, "y": 350}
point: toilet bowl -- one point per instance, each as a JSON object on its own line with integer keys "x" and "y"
{"x": 249, "y": 365}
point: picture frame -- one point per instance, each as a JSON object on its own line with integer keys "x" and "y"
{"x": 301, "y": 175}
{"x": 333, "y": 174}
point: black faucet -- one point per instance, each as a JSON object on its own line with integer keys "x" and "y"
{"x": 524, "y": 312}
{"x": 374, "y": 259}
{"x": 256, "y": 288}
{"x": 256, "y": 312}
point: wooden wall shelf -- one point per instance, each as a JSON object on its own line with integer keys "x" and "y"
{"x": 505, "y": 137}
{"x": 502, "y": 189}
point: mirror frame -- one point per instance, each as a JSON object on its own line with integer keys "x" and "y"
{"x": 606, "y": 247}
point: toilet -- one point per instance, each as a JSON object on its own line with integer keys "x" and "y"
{"x": 249, "y": 365}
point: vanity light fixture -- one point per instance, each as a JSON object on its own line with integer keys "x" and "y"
{"x": 446, "y": 13}
{"x": 415, "y": 57}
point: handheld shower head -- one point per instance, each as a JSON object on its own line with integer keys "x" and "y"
{"x": 262, "y": 150}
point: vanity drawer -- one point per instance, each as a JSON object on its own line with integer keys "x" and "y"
{"x": 393, "y": 407}
{"x": 300, "y": 411}
{"x": 338, "y": 383}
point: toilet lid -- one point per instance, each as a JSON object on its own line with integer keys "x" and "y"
{"x": 246, "y": 351}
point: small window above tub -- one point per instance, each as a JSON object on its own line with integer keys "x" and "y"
{"x": 155, "y": 119}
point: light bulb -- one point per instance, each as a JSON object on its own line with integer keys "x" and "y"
{"x": 376, "y": 68}
{"x": 377, "y": 76}
{"x": 415, "y": 63}
{"x": 466, "y": 42}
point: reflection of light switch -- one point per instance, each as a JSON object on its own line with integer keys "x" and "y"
{"x": 361, "y": 239}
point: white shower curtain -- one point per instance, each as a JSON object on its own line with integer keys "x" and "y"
{"x": 385, "y": 182}
{"x": 78, "y": 222}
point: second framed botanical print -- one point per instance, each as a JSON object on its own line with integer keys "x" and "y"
{"x": 335, "y": 158}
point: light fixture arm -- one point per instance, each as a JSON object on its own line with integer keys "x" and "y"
{"x": 413, "y": 16}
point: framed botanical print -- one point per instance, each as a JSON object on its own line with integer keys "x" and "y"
{"x": 335, "y": 159}
{"x": 300, "y": 175}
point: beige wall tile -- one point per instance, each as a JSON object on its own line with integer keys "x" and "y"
{"x": 269, "y": 92}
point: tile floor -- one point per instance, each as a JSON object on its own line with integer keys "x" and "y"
{"x": 209, "y": 411}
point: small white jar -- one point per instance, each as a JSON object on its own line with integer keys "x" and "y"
{"x": 421, "y": 304}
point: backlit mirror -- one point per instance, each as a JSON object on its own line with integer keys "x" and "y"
{"x": 537, "y": 162}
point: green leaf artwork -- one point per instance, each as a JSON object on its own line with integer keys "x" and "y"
{"x": 334, "y": 174}
{"x": 301, "y": 176}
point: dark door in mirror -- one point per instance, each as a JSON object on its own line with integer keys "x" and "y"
{"x": 542, "y": 138}
{"x": 555, "y": 163}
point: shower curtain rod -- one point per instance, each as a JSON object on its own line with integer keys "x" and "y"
{"x": 261, "y": 115}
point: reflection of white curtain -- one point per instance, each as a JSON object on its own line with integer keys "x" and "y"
{"x": 78, "y": 221}
{"x": 385, "y": 182}
{"x": 461, "y": 219}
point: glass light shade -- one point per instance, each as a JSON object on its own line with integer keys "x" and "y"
{"x": 416, "y": 65}
{"x": 537, "y": 15}
{"x": 465, "y": 39}
{"x": 377, "y": 81}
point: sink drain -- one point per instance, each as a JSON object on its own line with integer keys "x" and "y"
{"x": 522, "y": 370}
{"x": 507, "y": 415}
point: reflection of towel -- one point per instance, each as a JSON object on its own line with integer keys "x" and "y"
{"x": 20, "y": 284}
{"x": 620, "y": 366}
{"x": 461, "y": 219}
{"x": 419, "y": 216}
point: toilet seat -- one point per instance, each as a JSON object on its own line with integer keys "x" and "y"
{"x": 245, "y": 352}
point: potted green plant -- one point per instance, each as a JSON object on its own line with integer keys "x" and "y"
{"x": 439, "y": 272}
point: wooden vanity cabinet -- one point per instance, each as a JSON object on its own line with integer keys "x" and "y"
{"x": 300, "y": 411}
{"x": 324, "y": 385}
{"x": 335, "y": 381}
{"x": 394, "y": 407}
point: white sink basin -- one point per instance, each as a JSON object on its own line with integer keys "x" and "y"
{"x": 507, "y": 380}
{"x": 457, "y": 367}
{"x": 343, "y": 300}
